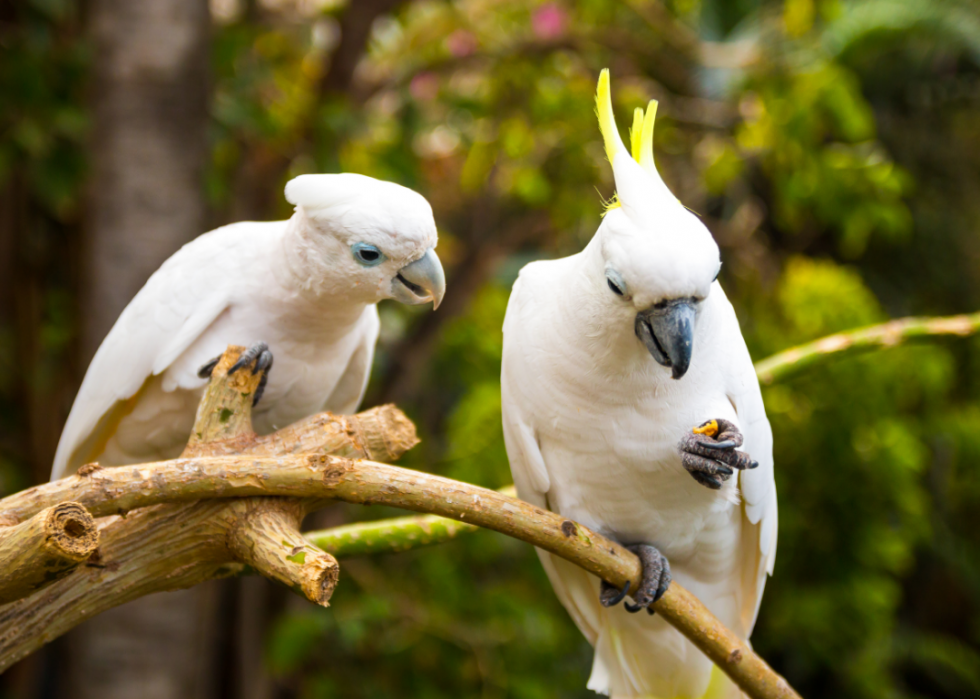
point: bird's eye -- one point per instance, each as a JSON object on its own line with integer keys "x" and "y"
{"x": 367, "y": 254}
{"x": 615, "y": 282}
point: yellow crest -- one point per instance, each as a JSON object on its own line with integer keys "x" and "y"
{"x": 641, "y": 134}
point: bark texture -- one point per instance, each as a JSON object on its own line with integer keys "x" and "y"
{"x": 148, "y": 151}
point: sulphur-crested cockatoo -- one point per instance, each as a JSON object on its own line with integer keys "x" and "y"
{"x": 612, "y": 359}
{"x": 305, "y": 289}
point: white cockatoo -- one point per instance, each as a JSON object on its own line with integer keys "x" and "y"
{"x": 612, "y": 360}
{"x": 304, "y": 289}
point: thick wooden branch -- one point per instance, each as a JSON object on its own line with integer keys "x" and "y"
{"x": 267, "y": 538}
{"x": 379, "y": 434}
{"x": 215, "y": 537}
{"x": 796, "y": 360}
{"x": 366, "y": 482}
{"x": 153, "y": 550}
{"x": 263, "y": 533}
{"x": 43, "y": 549}
{"x": 171, "y": 546}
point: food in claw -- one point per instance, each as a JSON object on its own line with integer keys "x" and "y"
{"x": 302, "y": 290}
{"x": 614, "y": 359}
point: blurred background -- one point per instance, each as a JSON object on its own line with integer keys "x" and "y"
{"x": 832, "y": 147}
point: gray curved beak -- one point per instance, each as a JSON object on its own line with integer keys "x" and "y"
{"x": 668, "y": 334}
{"x": 421, "y": 281}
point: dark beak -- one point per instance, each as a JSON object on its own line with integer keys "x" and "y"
{"x": 421, "y": 281}
{"x": 667, "y": 331}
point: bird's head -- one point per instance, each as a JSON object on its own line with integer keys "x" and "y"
{"x": 659, "y": 259}
{"x": 377, "y": 238}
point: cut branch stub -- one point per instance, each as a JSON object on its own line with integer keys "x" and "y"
{"x": 168, "y": 547}
{"x": 171, "y": 546}
{"x": 45, "y": 548}
{"x": 267, "y": 538}
{"x": 381, "y": 434}
{"x": 262, "y": 532}
{"x": 224, "y": 415}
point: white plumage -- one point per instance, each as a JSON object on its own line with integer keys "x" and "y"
{"x": 592, "y": 424}
{"x": 307, "y": 287}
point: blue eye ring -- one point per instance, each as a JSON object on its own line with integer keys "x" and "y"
{"x": 367, "y": 254}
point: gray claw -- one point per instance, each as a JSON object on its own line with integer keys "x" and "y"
{"x": 727, "y": 444}
{"x": 260, "y": 354}
{"x": 654, "y": 583}
{"x": 608, "y": 599}
{"x": 249, "y": 356}
{"x": 711, "y": 460}
{"x": 656, "y": 575}
{"x": 207, "y": 369}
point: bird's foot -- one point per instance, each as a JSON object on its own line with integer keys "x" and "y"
{"x": 655, "y": 581}
{"x": 258, "y": 353}
{"x": 709, "y": 453}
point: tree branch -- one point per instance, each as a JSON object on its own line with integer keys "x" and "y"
{"x": 267, "y": 538}
{"x": 392, "y": 535}
{"x": 796, "y": 360}
{"x": 153, "y": 550}
{"x": 366, "y": 482}
{"x": 164, "y": 546}
{"x": 173, "y": 546}
{"x": 45, "y": 548}
{"x": 405, "y": 533}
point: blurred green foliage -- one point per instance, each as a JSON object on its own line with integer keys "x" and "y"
{"x": 831, "y": 146}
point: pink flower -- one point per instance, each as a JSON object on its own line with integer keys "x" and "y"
{"x": 461, "y": 43}
{"x": 424, "y": 87}
{"x": 548, "y": 21}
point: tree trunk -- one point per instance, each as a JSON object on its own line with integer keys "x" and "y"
{"x": 146, "y": 199}
{"x": 150, "y": 109}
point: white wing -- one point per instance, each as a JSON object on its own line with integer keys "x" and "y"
{"x": 175, "y": 307}
{"x": 576, "y": 589}
{"x": 758, "y": 486}
{"x": 530, "y": 473}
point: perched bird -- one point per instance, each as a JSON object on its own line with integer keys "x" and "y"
{"x": 304, "y": 289}
{"x": 614, "y": 359}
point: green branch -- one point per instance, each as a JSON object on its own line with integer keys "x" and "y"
{"x": 392, "y": 535}
{"x": 796, "y": 360}
{"x": 387, "y": 535}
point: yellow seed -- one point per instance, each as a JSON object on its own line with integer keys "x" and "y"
{"x": 709, "y": 428}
